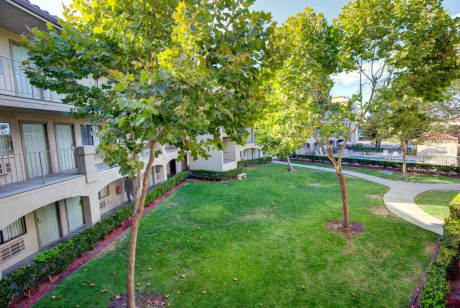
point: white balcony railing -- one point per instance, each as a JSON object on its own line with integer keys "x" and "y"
{"x": 35, "y": 167}
{"x": 14, "y": 81}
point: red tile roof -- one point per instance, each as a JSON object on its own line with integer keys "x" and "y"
{"x": 444, "y": 137}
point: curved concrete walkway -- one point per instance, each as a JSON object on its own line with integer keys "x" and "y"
{"x": 400, "y": 198}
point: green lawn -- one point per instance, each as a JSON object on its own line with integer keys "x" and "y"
{"x": 395, "y": 175}
{"x": 268, "y": 232}
{"x": 436, "y": 202}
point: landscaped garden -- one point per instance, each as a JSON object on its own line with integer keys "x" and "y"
{"x": 262, "y": 242}
{"x": 436, "y": 202}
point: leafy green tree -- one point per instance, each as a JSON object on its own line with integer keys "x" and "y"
{"x": 391, "y": 43}
{"x": 170, "y": 71}
{"x": 283, "y": 130}
{"x": 284, "y": 126}
{"x": 410, "y": 118}
{"x": 387, "y": 42}
{"x": 373, "y": 127}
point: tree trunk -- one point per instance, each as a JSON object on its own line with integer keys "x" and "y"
{"x": 139, "y": 204}
{"x": 290, "y": 169}
{"x": 403, "y": 155}
{"x": 343, "y": 188}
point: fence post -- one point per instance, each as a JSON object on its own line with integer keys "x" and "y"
{"x": 41, "y": 166}
{"x": 85, "y": 162}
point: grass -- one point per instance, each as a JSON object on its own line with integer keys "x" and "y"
{"x": 395, "y": 175}
{"x": 268, "y": 232}
{"x": 436, "y": 202}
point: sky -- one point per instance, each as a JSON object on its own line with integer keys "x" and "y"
{"x": 345, "y": 84}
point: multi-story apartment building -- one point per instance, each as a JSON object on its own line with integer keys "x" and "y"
{"x": 52, "y": 183}
{"x": 312, "y": 147}
{"x": 226, "y": 159}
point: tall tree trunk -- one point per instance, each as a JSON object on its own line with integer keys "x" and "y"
{"x": 290, "y": 169}
{"x": 343, "y": 188}
{"x": 139, "y": 205}
{"x": 403, "y": 155}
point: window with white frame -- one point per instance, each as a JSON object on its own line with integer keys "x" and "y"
{"x": 6, "y": 146}
{"x": 104, "y": 192}
{"x": 13, "y": 230}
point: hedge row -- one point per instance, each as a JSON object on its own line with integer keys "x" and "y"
{"x": 55, "y": 260}
{"x": 255, "y": 161}
{"x": 361, "y": 148}
{"x": 211, "y": 175}
{"x": 449, "y": 170}
{"x": 436, "y": 286}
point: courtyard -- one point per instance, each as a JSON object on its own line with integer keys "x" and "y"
{"x": 262, "y": 242}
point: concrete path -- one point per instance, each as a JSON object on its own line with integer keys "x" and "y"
{"x": 400, "y": 198}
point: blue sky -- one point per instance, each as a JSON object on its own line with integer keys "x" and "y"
{"x": 280, "y": 10}
{"x": 345, "y": 84}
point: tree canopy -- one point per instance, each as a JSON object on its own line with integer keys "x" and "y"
{"x": 169, "y": 71}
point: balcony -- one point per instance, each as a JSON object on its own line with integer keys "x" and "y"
{"x": 25, "y": 171}
{"x": 14, "y": 82}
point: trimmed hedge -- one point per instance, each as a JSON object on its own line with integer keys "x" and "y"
{"x": 361, "y": 148}
{"x": 212, "y": 175}
{"x": 449, "y": 170}
{"x": 55, "y": 260}
{"x": 255, "y": 161}
{"x": 436, "y": 286}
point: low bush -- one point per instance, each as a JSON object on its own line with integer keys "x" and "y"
{"x": 211, "y": 175}
{"x": 55, "y": 260}
{"x": 436, "y": 286}
{"x": 449, "y": 170}
{"x": 255, "y": 161}
{"x": 361, "y": 148}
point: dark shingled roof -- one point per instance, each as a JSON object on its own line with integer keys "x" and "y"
{"x": 37, "y": 10}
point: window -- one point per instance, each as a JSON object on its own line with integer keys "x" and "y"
{"x": 157, "y": 169}
{"x": 88, "y": 134}
{"x": 104, "y": 192}
{"x": 6, "y": 146}
{"x": 1, "y": 68}
{"x": 14, "y": 230}
{"x": 5, "y": 168}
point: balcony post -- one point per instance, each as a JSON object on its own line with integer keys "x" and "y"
{"x": 91, "y": 209}
{"x": 85, "y": 162}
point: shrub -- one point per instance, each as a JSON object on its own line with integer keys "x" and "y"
{"x": 362, "y": 148}
{"x": 449, "y": 170}
{"x": 436, "y": 286}
{"x": 215, "y": 175}
{"x": 55, "y": 260}
{"x": 255, "y": 161}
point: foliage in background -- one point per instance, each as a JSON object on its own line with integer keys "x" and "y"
{"x": 255, "y": 161}
{"x": 389, "y": 44}
{"x": 439, "y": 169}
{"x": 285, "y": 126}
{"x": 211, "y": 175}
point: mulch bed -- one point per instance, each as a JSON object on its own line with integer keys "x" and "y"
{"x": 336, "y": 227}
{"x": 453, "y": 299}
{"x": 46, "y": 286}
{"x": 143, "y": 299}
